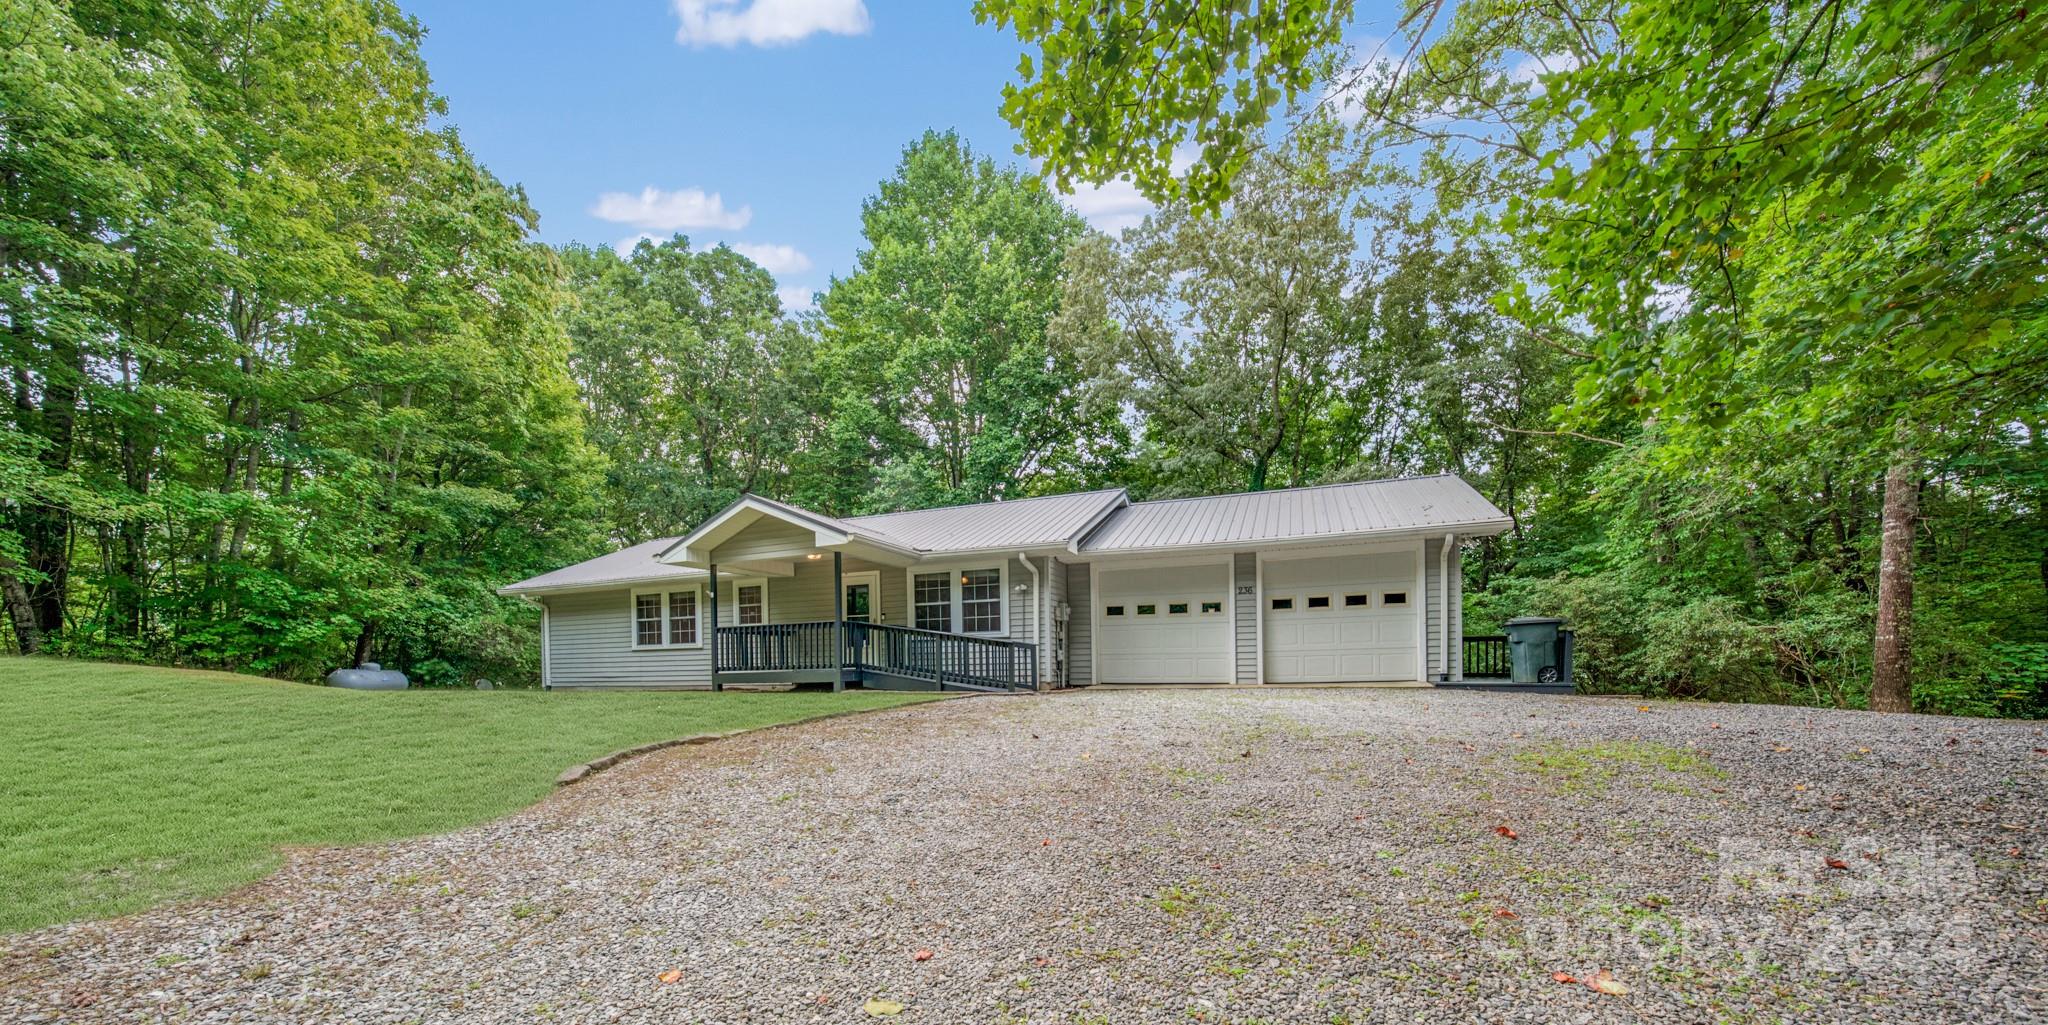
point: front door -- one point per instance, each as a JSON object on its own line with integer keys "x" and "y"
{"x": 862, "y": 597}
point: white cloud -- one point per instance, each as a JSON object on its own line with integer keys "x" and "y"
{"x": 797, "y": 298}
{"x": 1531, "y": 69}
{"x": 1112, "y": 206}
{"x": 729, "y": 23}
{"x": 774, "y": 258}
{"x": 660, "y": 210}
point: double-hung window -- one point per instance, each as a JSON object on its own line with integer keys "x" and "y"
{"x": 932, "y": 595}
{"x": 981, "y": 601}
{"x": 965, "y": 601}
{"x": 752, "y": 606}
{"x": 663, "y": 619}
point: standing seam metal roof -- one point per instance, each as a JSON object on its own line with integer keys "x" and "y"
{"x": 1331, "y": 510}
{"x": 1017, "y": 523}
{"x": 634, "y": 564}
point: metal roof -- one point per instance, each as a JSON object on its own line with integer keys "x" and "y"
{"x": 626, "y": 566}
{"x": 1017, "y": 523}
{"x": 1400, "y": 505}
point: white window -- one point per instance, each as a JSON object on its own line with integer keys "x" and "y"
{"x": 751, "y": 605}
{"x": 682, "y": 617}
{"x": 665, "y": 619}
{"x": 933, "y": 597}
{"x": 963, "y": 600}
{"x": 981, "y": 601}
{"x": 647, "y": 620}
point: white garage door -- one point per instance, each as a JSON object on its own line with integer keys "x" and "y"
{"x": 1165, "y": 625}
{"x": 1341, "y": 620}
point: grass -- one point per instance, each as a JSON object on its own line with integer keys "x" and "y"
{"x": 130, "y": 786}
{"x": 1592, "y": 767}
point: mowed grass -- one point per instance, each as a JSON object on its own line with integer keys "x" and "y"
{"x": 122, "y": 787}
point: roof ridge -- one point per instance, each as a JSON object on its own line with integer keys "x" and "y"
{"x": 971, "y": 505}
{"x": 1286, "y": 491}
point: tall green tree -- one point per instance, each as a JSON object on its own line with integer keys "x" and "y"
{"x": 695, "y": 387}
{"x": 1227, "y": 335}
{"x": 943, "y": 386}
{"x": 1754, "y": 225}
{"x": 288, "y": 384}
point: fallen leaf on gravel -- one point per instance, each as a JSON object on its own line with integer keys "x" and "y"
{"x": 673, "y": 975}
{"x": 1564, "y": 977}
{"x": 1047, "y": 842}
{"x": 1041, "y": 961}
{"x": 1506, "y": 832}
{"x": 882, "y": 1008}
{"x": 922, "y": 955}
{"x": 1837, "y": 863}
{"x": 1642, "y": 708}
{"x": 1602, "y": 982}
{"x": 2014, "y": 853}
{"x": 1504, "y": 913}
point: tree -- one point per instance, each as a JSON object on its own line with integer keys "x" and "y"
{"x": 1118, "y": 89}
{"x": 288, "y": 385}
{"x": 1755, "y": 223}
{"x": 694, "y": 384}
{"x": 1226, "y": 334}
{"x": 942, "y": 386}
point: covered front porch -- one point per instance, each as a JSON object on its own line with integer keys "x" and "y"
{"x": 798, "y": 598}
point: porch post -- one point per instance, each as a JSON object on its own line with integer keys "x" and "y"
{"x": 713, "y": 591}
{"x": 839, "y": 622}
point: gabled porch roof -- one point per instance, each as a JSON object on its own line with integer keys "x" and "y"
{"x": 820, "y": 532}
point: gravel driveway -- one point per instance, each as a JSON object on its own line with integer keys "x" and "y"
{"x": 1295, "y": 856}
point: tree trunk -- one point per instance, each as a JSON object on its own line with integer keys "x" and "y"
{"x": 363, "y": 642}
{"x": 21, "y": 613}
{"x": 1891, "y": 676}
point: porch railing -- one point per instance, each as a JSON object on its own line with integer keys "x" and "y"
{"x": 949, "y": 661}
{"x": 1487, "y": 655}
{"x": 776, "y": 647}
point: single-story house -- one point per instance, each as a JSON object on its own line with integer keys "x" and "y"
{"x": 1340, "y": 583}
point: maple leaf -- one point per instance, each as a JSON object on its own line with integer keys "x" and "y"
{"x": 1506, "y": 832}
{"x": 879, "y": 1008}
{"x": 670, "y": 977}
{"x": 1603, "y": 982}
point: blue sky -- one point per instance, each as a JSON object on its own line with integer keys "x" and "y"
{"x": 763, "y": 123}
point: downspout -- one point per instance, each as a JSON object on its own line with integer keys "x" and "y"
{"x": 1037, "y": 618}
{"x": 1443, "y": 599}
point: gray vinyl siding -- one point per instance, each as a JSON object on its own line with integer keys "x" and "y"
{"x": 1080, "y": 626}
{"x": 1056, "y": 595}
{"x": 1442, "y": 640}
{"x": 807, "y": 596}
{"x": 1244, "y": 568}
{"x": 1457, "y": 631}
{"x": 590, "y": 644}
{"x": 766, "y": 538}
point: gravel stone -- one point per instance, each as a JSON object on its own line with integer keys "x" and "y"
{"x": 1164, "y": 855}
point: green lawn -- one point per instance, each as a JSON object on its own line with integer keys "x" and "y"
{"x": 127, "y": 786}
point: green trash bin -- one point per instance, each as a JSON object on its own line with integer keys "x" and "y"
{"x": 1533, "y": 651}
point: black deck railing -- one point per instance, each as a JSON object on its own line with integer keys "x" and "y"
{"x": 949, "y": 661}
{"x": 776, "y": 647}
{"x": 1487, "y": 655}
{"x": 943, "y": 658}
